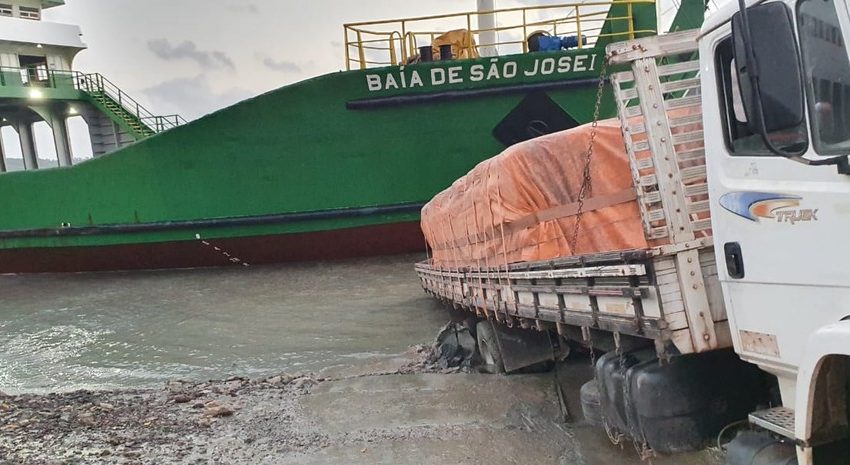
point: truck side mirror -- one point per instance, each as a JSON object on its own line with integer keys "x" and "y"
{"x": 768, "y": 65}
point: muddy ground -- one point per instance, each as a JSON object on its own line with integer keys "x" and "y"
{"x": 396, "y": 410}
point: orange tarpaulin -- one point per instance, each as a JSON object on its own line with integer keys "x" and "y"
{"x": 521, "y": 205}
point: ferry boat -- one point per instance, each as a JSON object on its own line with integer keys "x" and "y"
{"x": 335, "y": 166}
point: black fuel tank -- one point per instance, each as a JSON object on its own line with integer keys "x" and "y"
{"x": 680, "y": 405}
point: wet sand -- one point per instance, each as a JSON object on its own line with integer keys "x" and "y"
{"x": 385, "y": 414}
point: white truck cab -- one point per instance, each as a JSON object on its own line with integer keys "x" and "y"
{"x": 779, "y": 214}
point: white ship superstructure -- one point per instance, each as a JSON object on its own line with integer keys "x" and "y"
{"x": 38, "y": 84}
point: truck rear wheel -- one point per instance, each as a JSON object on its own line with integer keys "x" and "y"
{"x": 488, "y": 346}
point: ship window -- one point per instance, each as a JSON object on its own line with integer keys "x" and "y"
{"x": 45, "y": 145}
{"x": 30, "y": 13}
{"x": 827, "y": 71}
{"x": 41, "y": 72}
{"x": 80, "y": 139}
{"x": 12, "y": 149}
{"x": 5, "y": 9}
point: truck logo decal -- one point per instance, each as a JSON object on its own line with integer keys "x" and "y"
{"x": 756, "y": 206}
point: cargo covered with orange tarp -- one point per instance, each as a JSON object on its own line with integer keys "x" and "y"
{"x": 522, "y": 205}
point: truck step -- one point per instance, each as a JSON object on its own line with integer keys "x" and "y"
{"x": 779, "y": 420}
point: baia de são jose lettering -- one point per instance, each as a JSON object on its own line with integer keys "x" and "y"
{"x": 497, "y": 69}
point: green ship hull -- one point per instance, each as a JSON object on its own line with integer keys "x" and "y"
{"x": 335, "y": 166}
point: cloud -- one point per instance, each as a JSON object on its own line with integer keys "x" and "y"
{"x": 187, "y": 50}
{"x": 282, "y": 66}
{"x": 192, "y": 97}
{"x": 222, "y": 58}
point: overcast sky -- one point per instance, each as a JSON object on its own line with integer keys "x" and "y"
{"x": 195, "y": 56}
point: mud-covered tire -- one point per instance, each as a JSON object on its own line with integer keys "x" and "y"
{"x": 488, "y": 347}
{"x": 591, "y": 406}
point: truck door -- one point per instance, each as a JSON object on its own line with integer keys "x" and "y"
{"x": 780, "y": 227}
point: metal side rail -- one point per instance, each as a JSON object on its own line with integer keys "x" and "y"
{"x": 584, "y": 291}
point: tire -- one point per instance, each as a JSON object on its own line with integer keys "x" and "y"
{"x": 488, "y": 347}
{"x": 590, "y": 404}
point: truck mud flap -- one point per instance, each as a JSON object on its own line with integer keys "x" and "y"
{"x": 523, "y": 348}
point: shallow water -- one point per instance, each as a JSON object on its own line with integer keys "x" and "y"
{"x": 108, "y": 330}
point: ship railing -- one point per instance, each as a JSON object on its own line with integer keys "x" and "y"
{"x": 163, "y": 123}
{"x": 99, "y": 86}
{"x": 95, "y": 85}
{"x": 36, "y": 77}
{"x": 397, "y": 41}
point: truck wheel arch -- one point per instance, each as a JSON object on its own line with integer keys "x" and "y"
{"x": 829, "y": 404}
{"x": 823, "y": 383}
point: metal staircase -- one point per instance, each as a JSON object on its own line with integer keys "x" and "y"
{"x": 121, "y": 108}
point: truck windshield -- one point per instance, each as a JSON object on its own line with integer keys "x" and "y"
{"x": 827, "y": 72}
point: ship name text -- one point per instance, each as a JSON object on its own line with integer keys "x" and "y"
{"x": 496, "y": 70}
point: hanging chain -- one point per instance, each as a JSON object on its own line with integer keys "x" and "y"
{"x": 589, "y": 343}
{"x": 586, "y": 187}
{"x": 616, "y": 437}
{"x": 587, "y": 181}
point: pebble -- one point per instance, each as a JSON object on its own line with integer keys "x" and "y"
{"x": 86, "y": 419}
{"x": 214, "y": 409}
{"x": 174, "y": 385}
{"x": 233, "y": 385}
{"x": 181, "y": 398}
{"x": 303, "y": 382}
{"x": 280, "y": 379}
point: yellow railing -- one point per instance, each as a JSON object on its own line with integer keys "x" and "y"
{"x": 395, "y": 41}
